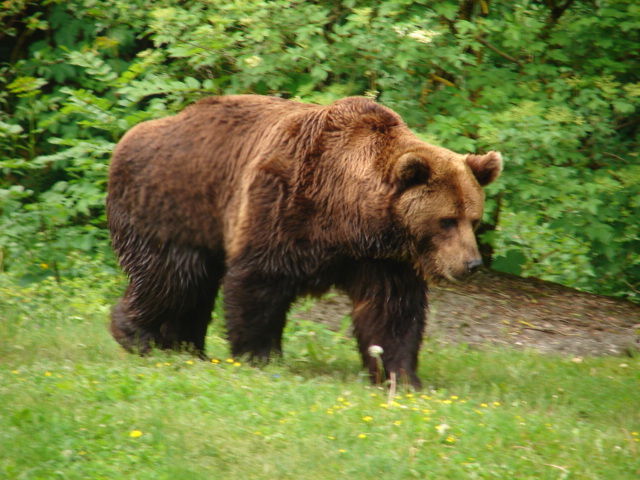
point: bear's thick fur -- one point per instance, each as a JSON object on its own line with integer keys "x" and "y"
{"x": 273, "y": 199}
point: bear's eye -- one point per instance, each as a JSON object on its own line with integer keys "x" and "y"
{"x": 448, "y": 223}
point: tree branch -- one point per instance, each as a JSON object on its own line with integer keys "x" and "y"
{"x": 498, "y": 51}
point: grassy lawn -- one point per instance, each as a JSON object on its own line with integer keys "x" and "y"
{"x": 73, "y": 405}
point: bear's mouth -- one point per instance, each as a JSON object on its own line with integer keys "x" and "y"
{"x": 426, "y": 270}
{"x": 431, "y": 271}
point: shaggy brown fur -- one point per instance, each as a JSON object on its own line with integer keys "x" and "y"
{"x": 273, "y": 199}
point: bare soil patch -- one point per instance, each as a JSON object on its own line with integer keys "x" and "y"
{"x": 499, "y": 309}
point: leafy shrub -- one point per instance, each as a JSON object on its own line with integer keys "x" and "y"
{"x": 553, "y": 85}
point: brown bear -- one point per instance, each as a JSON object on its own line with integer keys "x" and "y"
{"x": 273, "y": 199}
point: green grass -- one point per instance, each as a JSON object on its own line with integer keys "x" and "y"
{"x": 73, "y": 405}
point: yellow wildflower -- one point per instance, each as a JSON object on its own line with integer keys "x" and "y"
{"x": 135, "y": 433}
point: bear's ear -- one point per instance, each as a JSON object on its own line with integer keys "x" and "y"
{"x": 411, "y": 170}
{"x": 486, "y": 168}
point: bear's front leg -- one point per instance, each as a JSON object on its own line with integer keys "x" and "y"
{"x": 256, "y": 306}
{"x": 389, "y": 310}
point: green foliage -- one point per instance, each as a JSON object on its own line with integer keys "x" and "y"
{"x": 553, "y": 85}
{"x": 74, "y": 405}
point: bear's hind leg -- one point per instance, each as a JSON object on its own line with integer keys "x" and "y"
{"x": 190, "y": 332}
{"x": 128, "y": 330}
{"x": 169, "y": 299}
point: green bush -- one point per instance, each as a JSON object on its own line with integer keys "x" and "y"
{"x": 552, "y": 84}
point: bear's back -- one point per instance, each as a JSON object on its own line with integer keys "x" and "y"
{"x": 175, "y": 178}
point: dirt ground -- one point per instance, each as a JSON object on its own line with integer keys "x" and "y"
{"x": 501, "y": 309}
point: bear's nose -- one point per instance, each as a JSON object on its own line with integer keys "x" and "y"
{"x": 473, "y": 265}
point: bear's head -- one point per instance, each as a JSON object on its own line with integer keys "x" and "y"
{"x": 434, "y": 196}
{"x": 440, "y": 202}
{"x": 363, "y": 179}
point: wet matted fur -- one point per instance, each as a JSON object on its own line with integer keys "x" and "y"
{"x": 273, "y": 199}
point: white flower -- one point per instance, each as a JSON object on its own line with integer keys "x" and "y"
{"x": 375, "y": 350}
{"x": 400, "y": 31}
{"x": 423, "y": 36}
{"x": 253, "y": 61}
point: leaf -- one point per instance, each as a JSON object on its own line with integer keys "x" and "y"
{"x": 27, "y": 86}
{"x": 623, "y": 107}
{"x": 600, "y": 232}
{"x": 511, "y": 262}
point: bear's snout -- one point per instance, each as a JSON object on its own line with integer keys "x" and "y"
{"x": 473, "y": 265}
